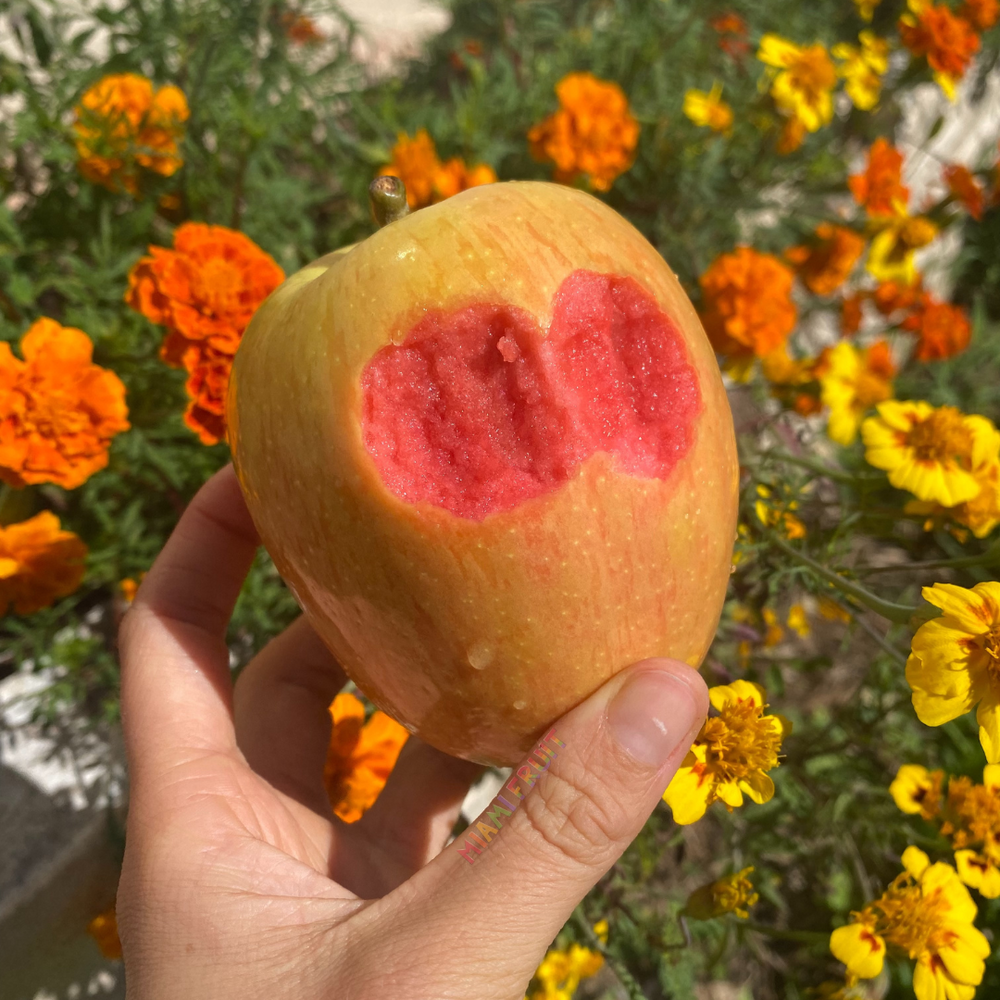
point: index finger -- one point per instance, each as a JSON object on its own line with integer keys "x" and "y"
{"x": 176, "y": 687}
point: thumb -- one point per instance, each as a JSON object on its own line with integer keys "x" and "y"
{"x": 566, "y": 815}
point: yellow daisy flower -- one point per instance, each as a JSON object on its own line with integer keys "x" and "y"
{"x": 863, "y": 67}
{"x": 803, "y": 85}
{"x": 892, "y": 254}
{"x": 930, "y": 452}
{"x": 730, "y": 894}
{"x": 708, "y": 109}
{"x": 561, "y": 971}
{"x": 954, "y": 662}
{"x": 927, "y": 913}
{"x": 917, "y": 790}
{"x": 731, "y": 755}
{"x": 853, "y": 381}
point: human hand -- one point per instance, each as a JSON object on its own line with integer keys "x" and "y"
{"x": 239, "y": 882}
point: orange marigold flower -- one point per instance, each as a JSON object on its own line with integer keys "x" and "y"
{"x": 944, "y": 330}
{"x": 360, "y": 757}
{"x": 58, "y": 410}
{"x": 733, "y": 31}
{"x": 38, "y": 563}
{"x": 415, "y": 162}
{"x": 949, "y": 42}
{"x": 852, "y": 313}
{"x": 880, "y": 188}
{"x": 104, "y": 930}
{"x": 963, "y": 185}
{"x": 204, "y": 291}
{"x": 793, "y": 134}
{"x": 981, "y": 13}
{"x": 122, "y": 124}
{"x": 301, "y": 29}
{"x": 748, "y": 308}
{"x": 826, "y": 264}
{"x": 593, "y": 133}
{"x": 893, "y": 296}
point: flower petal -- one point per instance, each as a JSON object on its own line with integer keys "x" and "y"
{"x": 859, "y": 948}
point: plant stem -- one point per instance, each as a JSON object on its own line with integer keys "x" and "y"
{"x": 387, "y": 196}
{"x": 804, "y": 937}
{"x": 620, "y": 969}
{"x": 991, "y": 557}
{"x": 823, "y": 470}
{"x": 902, "y": 614}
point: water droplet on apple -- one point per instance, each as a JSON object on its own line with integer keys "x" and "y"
{"x": 520, "y": 705}
{"x": 480, "y": 656}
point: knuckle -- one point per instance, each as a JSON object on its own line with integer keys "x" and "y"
{"x": 576, "y": 817}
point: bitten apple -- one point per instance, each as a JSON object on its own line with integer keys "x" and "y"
{"x": 490, "y": 451}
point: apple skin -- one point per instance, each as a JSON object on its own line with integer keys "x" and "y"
{"x": 476, "y": 635}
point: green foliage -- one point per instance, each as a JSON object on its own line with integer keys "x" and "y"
{"x": 281, "y": 143}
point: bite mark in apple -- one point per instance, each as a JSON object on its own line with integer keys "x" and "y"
{"x": 478, "y": 411}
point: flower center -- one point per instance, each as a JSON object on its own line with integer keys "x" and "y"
{"x": 741, "y": 740}
{"x": 907, "y": 918}
{"x": 943, "y": 436}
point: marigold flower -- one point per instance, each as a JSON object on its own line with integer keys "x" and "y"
{"x": 731, "y": 756}
{"x": 803, "y": 85}
{"x": 944, "y": 330}
{"x": 949, "y": 42}
{"x": 792, "y": 380}
{"x": 954, "y": 663}
{"x": 899, "y": 236}
{"x": 863, "y": 68}
{"x": 360, "y": 758}
{"x": 58, "y": 410}
{"x": 733, "y": 32}
{"x": 748, "y": 308}
{"x": 415, "y": 162}
{"x": 832, "y": 611}
{"x": 879, "y": 189}
{"x": 927, "y": 913}
{"x": 204, "y": 291}
{"x": 963, "y": 185}
{"x": 798, "y": 621}
{"x": 708, "y": 110}
{"x": 854, "y": 380}
{"x": 981, "y": 13}
{"x": 593, "y": 133}
{"x": 852, "y": 313}
{"x": 826, "y": 264}
{"x": 866, "y": 8}
{"x": 129, "y": 588}
{"x": 39, "y": 563}
{"x": 104, "y": 930}
{"x": 301, "y": 29}
{"x": 793, "y": 134}
{"x": 893, "y": 297}
{"x": 972, "y": 820}
{"x": 561, "y": 971}
{"x": 917, "y": 790}
{"x": 773, "y": 513}
{"x": 930, "y": 452}
{"x": 730, "y": 894}
{"x": 122, "y": 124}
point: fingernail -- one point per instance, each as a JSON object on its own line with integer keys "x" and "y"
{"x": 650, "y": 715}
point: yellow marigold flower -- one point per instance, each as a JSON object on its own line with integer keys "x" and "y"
{"x": 863, "y": 67}
{"x": 593, "y": 133}
{"x": 853, "y": 381}
{"x": 972, "y": 820}
{"x": 930, "y": 452}
{"x": 954, "y": 663}
{"x": 803, "y": 85}
{"x": 360, "y": 758}
{"x": 708, "y": 110}
{"x": 601, "y": 930}
{"x": 39, "y": 563}
{"x": 104, "y": 930}
{"x": 731, "y": 756}
{"x": 773, "y": 632}
{"x": 899, "y": 236}
{"x": 928, "y": 914}
{"x": 731, "y": 894}
{"x": 832, "y": 611}
{"x": 827, "y": 263}
{"x": 775, "y": 514}
{"x": 866, "y": 8}
{"x": 122, "y": 124}
{"x": 917, "y": 790}
{"x": 798, "y": 621}
{"x": 561, "y": 972}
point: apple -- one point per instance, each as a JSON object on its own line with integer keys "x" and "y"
{"x": 490, "y": 451}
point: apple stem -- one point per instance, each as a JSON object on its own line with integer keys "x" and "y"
{"x": 387, "y": 196}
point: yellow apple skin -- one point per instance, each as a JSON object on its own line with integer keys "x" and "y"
{"x": 476, "y": 635}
